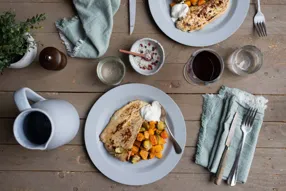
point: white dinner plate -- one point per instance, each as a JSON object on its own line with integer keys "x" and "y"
{"x": 215, "y": 32}
{"x": 144, "y": 172}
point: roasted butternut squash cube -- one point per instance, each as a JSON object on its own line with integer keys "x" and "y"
{"x": 159, "y": 155}
{"x": 140, "y": 137}
{"x": 144, "y": 154}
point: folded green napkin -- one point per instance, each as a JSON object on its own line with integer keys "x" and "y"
{"x": 87, "y": 35}
{"x": 218, "y": 112}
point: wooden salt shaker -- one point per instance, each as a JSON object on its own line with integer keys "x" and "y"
{"x": 52, "y": 59}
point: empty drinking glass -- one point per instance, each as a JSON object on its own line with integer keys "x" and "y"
{"x": 245, "y": 60}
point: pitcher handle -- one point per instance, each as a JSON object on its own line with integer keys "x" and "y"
{"x": 22, "y": 96}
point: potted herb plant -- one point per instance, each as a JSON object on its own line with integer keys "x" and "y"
{"x": 18, "y": 48}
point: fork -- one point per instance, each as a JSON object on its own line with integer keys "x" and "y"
{"x": 177, "y": 147}
{"x": 259, "y": 21}
{"x": 245, "y": 128}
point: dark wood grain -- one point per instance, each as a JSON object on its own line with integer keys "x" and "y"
{"x": 80, "y": 74}
{"x": 272, "y": 135}
{"x": 69, "y": 168}
{"x": 77, "y": 181}
{"x": 75, "y": 158}
{"x": 190, "y": 105}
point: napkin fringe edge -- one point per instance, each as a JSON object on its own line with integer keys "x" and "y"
{"x": 202, "y": 128}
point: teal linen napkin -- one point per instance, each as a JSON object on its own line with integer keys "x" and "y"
{"x": 218, "y": 112}
{"x": 87, "y": 35}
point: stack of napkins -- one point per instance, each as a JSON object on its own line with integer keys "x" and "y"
{"x": 218, "y": 112}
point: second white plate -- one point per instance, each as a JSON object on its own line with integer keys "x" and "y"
{"x": 215, "y": 32}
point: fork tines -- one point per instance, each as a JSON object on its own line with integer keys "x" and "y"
{"x": 261, "y": 29}
{"x": 250, "y": 116}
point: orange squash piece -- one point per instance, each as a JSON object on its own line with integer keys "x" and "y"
{"x": 152, "y": 124}
{"x": 194, "y": 2}
{"x": 140, "y": 137}
{"x": 153, "y": 140}
{"x": 201, "y": 2}
{"x": 159, "y": 155}
{"x": 164, "y": 134}
{"x": 151, "y": 131}
{"x": 144, "y": 154}
{"x": 152, "y": 150}
{"x": 135, "y": 149}
{"x": 151, "y": 155}
{"x": 158, "y": 148}
{"x": 188, "y": 3}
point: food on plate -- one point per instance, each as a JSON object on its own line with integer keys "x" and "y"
{"x": 149, "y": 148}
{"x": 179, "y": 10}
{"x": 135, "y": 132}
{"x": 151, "y": 112}
{"x": 200, "y": 13}
{"x": 121, "y": 132}
{"x": 135, "y": 159}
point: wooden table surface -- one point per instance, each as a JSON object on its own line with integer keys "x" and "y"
{"x": 69, "y": 168}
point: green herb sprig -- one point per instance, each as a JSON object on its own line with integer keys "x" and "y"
{"x": 13, "y": 37}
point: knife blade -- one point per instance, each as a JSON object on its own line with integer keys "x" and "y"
{"x": 223, "y": 159}
{"x": 132, "y": 15}
{"x": 231, "y": 131}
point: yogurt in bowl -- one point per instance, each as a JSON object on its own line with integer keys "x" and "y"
{"x": 151, "y": 48}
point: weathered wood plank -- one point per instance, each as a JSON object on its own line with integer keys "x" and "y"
{"x": 77, "y": 181}
{"x": 75, "y": 158}
{"x": 80, "y": 74}
{"x": 266, "y": 2}
{"x": 271, "y": 134}
{"x": 190, "y": 105}
{"x": 144, "y": 22}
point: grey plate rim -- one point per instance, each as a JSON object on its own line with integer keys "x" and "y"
{"x": 113, "y": 168}
{"x": 198, "y": 38}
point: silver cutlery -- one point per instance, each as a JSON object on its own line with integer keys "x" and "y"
{"x": 246, "y": 128}
{"x": 223, "y": 160}
{"x": 177, "y": 147}
{"x": 259, "y": 21}
{"x": 132, "y": 15}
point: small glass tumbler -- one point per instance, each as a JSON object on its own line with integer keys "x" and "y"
{"x": 245, "y": 60}
{"x": 111, "y": 70}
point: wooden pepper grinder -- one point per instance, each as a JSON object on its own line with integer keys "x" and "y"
{"x": 52, "y": 59}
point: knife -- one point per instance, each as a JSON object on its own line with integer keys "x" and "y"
{"x": 132, "y": 15}
{"x": 223, "y": 159}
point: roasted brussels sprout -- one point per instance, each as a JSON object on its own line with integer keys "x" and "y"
{"x": 135, "y": 159}
{"x": 146, "y": 125}
{"x": 161, "y": 125}
{"x": 147, "y": 145}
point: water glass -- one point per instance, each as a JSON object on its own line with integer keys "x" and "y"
{"x": 245, "y": 60}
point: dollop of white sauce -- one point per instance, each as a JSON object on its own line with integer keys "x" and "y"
{"x": 151, "y": 112}
{"x": 179, "y": 11}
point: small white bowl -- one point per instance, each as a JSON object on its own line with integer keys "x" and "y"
{"x": 140, "y": 45}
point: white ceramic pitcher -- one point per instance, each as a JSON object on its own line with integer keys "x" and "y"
{"x": 63, "y": 118}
